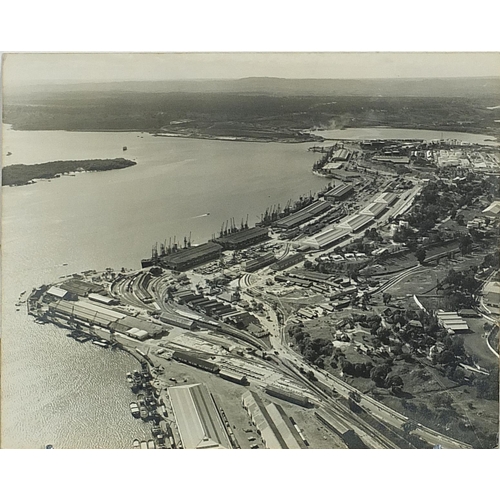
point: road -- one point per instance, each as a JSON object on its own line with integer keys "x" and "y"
{"x": 487, "y": 315}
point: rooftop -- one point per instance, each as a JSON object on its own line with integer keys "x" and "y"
{"x": 197, "y": 419}
{"x": 192, "y": 253}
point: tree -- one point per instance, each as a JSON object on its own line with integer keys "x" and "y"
{"x": 379, "y": 373}
{"x": 395, "y": 383}
{"x": 465, "y": 244}
{"x": 420, "y": 254}
{"x": 386, "y": 297}
{"x": 446, "y": 357}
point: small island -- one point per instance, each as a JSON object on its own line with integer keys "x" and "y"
{"x": 19, "y": 174}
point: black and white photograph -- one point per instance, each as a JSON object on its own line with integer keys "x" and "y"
{"x": 250, "y": 250}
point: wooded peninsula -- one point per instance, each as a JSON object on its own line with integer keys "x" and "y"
{"x": 19, "y": 174}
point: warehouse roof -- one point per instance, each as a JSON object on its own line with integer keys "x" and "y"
{"x": 304, "y": 214}
{"x": 244, "y": 235}
{"x": 274, "y": 429}
{"x": 356, "y": 222}
{"x": 341, "y": 154}
{"x": 327, "y": 237}
{"x": 197, "y": 419}
{"x": 339, "y": 190}
{"x": 387, "y": 197}
{"x": 187, "y": 254}
{"x": 374, "y": 209}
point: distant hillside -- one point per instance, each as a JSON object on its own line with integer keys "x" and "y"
{"x": 265, "y": 109}
{"x": 425, "y": 87}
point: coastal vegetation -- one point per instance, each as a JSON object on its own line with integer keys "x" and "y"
{"x": 19, "y": 174}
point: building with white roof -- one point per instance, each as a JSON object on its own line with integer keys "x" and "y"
{"x": 198, "y": 421}
{"x": 493, "y": 210}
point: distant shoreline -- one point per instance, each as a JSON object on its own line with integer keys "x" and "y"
{"x": 300, "y": 138}
{"x": 21, "y": 174}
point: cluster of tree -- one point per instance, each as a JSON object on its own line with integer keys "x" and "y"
{"x": 314, "y": 350}
{"x": 421, "y": 254}
{"x": 492, "y": 260}
{"x": 403, "y": 235}
{"x": 465, "y": 244}
{"x": 373, "y": 235}
{"x": 380, "y": 374}
{"x": 19, "y": 174}
{"x": 460, "y": 289}
{"x": 356, "y": 369}
{"x": 438, "y": 200}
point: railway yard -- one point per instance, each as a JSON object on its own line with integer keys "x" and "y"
{"x": 307, "y": 330}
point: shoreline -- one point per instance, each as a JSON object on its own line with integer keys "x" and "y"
{"x": 489, "y": 136}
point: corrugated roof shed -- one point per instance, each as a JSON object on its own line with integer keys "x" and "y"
{"x": 198, "y": 421}
{"x": 327, "y": 237}
{"x": 374, "y": 209}
{"x": 387, "y": 198}
{"x": 356, "y": 222}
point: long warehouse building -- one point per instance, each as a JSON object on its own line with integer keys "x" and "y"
{"x": 191, "y": 257}
{"x": 274, "y": 426}
{"x": 304, "y": 215}
{"x": 243, "y": 238}
{"x": 327, "y": 237}
{"x": 197, "y": 418}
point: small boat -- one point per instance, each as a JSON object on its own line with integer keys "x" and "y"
{"x": 151, "y": 445}
{"x": 136, "y": 444}
{"x": 65, "y": 264}
{"x": 144, "y": 414}
{"x": 101, "y": 343}
{"x": 134, "y": 409}
{"x": 124, "y": 148}
{"x": 49, "y": 447}
{"x": 144, "y": 445}
{"x": 9, "y": 153}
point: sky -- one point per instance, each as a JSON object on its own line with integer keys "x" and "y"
{"x": 32, "y": 68}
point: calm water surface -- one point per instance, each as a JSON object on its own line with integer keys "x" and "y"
{"x": 399, "y": 133}
{"x": 55, "y": 390}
